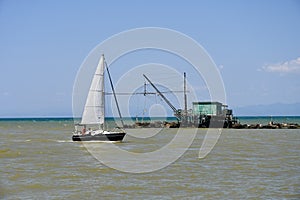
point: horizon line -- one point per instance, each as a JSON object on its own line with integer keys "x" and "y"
{"x": 72, "y": 117}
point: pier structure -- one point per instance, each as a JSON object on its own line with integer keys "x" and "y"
{"x": 207, "y": 114}
{"x": 203, "y": 114}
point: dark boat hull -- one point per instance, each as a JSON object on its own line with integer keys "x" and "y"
{"x": 99, "y": 137}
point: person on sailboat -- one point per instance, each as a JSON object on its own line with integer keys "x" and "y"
{"x": 83, "y": 130}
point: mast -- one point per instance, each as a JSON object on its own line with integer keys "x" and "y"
{"x": 102, "y": 62}
{"x": 114, "y": 93}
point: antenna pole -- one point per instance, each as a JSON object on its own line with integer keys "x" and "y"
{"x": 145, "y": 89}
{"x": 185, "y": 97}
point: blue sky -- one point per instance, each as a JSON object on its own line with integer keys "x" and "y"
{"x": 255, "y": 45}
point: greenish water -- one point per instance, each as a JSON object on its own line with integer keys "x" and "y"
{"x": 267, "y": 119}
{"x": 39, "y": 161}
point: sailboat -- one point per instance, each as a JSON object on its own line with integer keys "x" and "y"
{"x": 94, "y": 111}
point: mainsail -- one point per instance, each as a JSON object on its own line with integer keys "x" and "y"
{"x": 94, "y": 107}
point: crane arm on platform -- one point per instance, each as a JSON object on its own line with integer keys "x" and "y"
{"x": 164, "y": 98}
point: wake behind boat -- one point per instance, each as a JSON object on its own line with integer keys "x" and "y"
{"x": 94, "y": 112}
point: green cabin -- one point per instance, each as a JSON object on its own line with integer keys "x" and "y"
{"x": 207, "y": 108}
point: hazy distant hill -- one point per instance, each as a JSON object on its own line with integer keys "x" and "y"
{"x": 267, "y": 110}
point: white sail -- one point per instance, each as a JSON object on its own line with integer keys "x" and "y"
{"x": 94, "y": 107}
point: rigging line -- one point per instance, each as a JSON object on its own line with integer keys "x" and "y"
{"x": 137, "y": 93}
{"x": 115, "y": 97}
{"x": 127, "y": 93}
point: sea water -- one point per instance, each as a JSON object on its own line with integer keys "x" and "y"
{"x": 266, "y": 119}
{"x": 39, "y": 161}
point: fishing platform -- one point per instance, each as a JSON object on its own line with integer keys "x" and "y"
{"x": 207, "y": 114}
